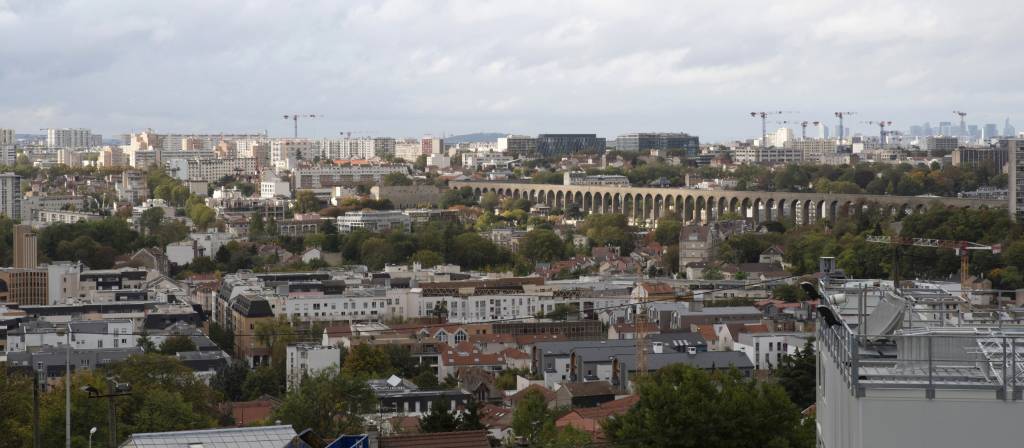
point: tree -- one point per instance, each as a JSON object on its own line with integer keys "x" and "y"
{"x": 145, "y": 343}
{"x": 472, "y": 251}
{"x": 306, "y": 202}
{"x": 375, "y": 252}
{"x": 367, "y": 361}
{"x": 151, "y": 218}
{"x": 530, "y": 416}
{"x": 256, "y": 226}
{"x": 396, "y": 179}
{"x": 541, "y": 245}
{"x": 262, "y": 381}
{"x": 230, "y": 379}
{"x": 328, "y": 403}
{"x": 175, "y": 344}
{"x": 796, "y": 375}
{"x": 686, "y": 407}
{"x": 470, "y": 418}
{"x": 427, "y": 258}
{"x": 489, "y": 201}
{"x": 667, "y": 232}
{"x": 426, "y": 380}
{"x": 439, "y": 419}
{"x": 609, "y": 230}
{"x": 789, "y": 293}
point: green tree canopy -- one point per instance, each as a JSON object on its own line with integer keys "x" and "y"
{"x": 686, "y": 407}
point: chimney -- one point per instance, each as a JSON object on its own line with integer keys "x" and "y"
{"x": 658, "y": 347}
{"x": 691, "y": 350}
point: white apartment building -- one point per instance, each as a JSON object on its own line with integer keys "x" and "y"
{"x": 92, "y": 334}
{"x": 356, "y": 304}
{"x": 765, "y": 350}
{"x": 374, "y": 221}
{"x": 273, "y": 187}
{"x": 307, "y": 360}
{"x": 408, "y": 149}
{"x": 770, "y": 155}
{"x": 486, "y": 308}
{"x": 908, "y": 368}
{"x": 479, "y": 160}
{"x": 283, "y": 150}
{"x": 439, "y": 161}
{"x": 10, "y": 195}
{"x": 332, "y": 176}
{"x": 70, "y": 138}
{"x": 8, "y": 155}
{"x": 210, "y": 169}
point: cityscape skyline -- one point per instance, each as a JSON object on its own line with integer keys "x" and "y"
{"x": 463, "y": 67}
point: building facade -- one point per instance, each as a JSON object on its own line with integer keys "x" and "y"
{"x": 1015, "y": 155}
{"x": 10, "y": 195}
{"x": 659, "y": 141}
{"x": 562, "y": 144}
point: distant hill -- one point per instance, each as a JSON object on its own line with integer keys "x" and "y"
{"x": 473, "y": 138}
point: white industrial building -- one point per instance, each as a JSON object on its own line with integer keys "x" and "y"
{"x": 914, "y": 367}
{"x": 307, "y": 360}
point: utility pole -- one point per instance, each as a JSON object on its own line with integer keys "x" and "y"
{"x": 295, "y": 120}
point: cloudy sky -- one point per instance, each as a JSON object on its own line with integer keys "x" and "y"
{"x": 412, "y": 67}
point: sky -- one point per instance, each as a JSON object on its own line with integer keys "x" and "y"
{"x": 416, "y": 67}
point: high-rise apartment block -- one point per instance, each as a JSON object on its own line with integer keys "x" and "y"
{"x": 6, "y": 137}
{"x": 1015, "y": 153}
{"x": 431, "y": 145}
{"x": 10, "y": 195}
{"x": 660, "y": 141}
{"x": 71, "y": 138}
{"x": 26, "y": 249}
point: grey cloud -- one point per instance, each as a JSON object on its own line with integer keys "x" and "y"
{"x": 408, "y": 67}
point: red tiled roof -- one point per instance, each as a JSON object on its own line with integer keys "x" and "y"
{"x": 452, "y": 357}
{"x": 657, "y": 288}
{"x": 707, "y": 331}
{"x": 512, "y": 353}
{"x": 549, "y": 396}
{"x": 605, "y": 410}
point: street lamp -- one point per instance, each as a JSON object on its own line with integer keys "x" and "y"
{"x": 91, "y": 432}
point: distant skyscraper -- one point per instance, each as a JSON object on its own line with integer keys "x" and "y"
{"x": 823, "y": 131}
{"x": 989, "y": 131}
{"x": 945, "y": 128}
{"x": 927, "y": 129}
{"x": 26, "y": 250}
{"x": 6, "y": 137}
{"x": 1008, "y": 130}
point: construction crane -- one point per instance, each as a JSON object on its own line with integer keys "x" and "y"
{"x": 295, "y": 120}
{"x": 962, "y": 248}
{"x": 963, "y": 122}
{"x": 881, "y": 129}
{"x": 840, "y": 115}
{"x": 764, "y": 124}
{"x": 803, "y": 128}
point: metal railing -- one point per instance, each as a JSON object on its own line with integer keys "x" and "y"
{"x": 966, "y": 358}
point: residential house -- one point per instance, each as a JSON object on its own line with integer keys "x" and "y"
{"x": 590, "y": 419}
{"x": 584, "y": 395}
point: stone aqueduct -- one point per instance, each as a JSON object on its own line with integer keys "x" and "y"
{"x": 646, "y": 205}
